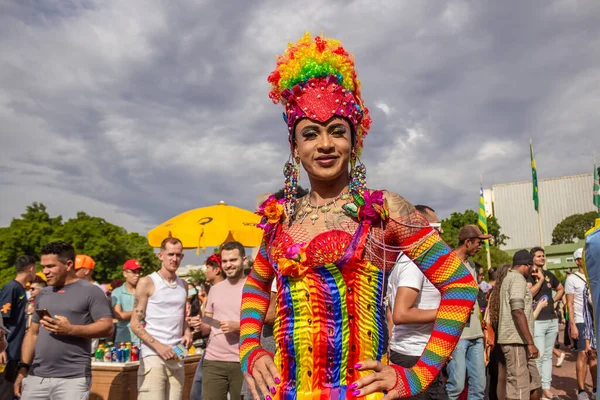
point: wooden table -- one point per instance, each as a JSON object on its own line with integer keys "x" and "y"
{"x": 118, "y": 381}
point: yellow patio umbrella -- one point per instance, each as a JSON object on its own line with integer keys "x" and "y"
{"x": 210, "y": 227}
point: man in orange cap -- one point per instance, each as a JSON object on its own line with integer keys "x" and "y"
{"x": 122, "y": 301}
{"x": 84, "y": 268}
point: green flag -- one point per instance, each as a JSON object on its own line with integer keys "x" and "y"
{"x": 482, "y": 217}
{"x": 596, "y": 186}
{"x": 536, "y": 199}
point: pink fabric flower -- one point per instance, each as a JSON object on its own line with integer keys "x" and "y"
{"x": 294, "y": 262}
{"x": 375, "y": 207}
{"x": 296, "y": 252}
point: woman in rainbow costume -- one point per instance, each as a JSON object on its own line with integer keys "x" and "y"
{"x": 332, "y": 250}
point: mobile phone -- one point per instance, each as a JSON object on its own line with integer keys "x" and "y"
{"x": 211, "y": 321}
{"x": 543, "y": 297}
{"x": 42, "y": 312}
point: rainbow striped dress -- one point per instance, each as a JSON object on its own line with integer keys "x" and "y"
{"x": 331, "y": 315}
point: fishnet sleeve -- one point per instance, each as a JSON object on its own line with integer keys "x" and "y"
{"x": 458, "y": 290}
{"x": 255, "y": 302}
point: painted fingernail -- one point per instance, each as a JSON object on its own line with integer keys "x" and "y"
{"x": 277, "y": 381}
{"x": 357, "y": 366}
{"x": 353, "y": 386}
{"x": 273, "y": 390}
{"x": 355, "y": 393}
{"x": 267, "y": 397}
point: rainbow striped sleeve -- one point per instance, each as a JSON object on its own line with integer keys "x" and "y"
{"x": 255, "y": 302}
{"x": 458, "y": 292}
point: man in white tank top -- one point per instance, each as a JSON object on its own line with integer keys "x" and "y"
{"x": 158, "y": 319}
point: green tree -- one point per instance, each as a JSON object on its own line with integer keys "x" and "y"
{"x": 497, "y": 256}
{"x": 196, "y": 275}
{"x": 573, "y": 227}
{"x": 457, "y": 220}
{"x": 26, "y": 235}
{"x": 109, "y": 245}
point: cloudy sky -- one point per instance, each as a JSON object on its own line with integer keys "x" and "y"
{"x": 138, "y": 110}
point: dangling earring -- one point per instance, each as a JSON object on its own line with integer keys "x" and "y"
{"x": 358, "y": 175}
{"x": 291, "y": 172}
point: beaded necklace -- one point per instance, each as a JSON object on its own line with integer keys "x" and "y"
{"x": 170, "y": 285}
{"x": 307, "y": 208}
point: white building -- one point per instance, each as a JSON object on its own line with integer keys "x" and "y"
{"x": 512, "y": 205}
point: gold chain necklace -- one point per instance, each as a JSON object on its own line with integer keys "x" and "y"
{"x": 307, "y": 208}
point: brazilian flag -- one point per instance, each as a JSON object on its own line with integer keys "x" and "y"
{"x": 536, "y": 199}
{"x": 482, "y": 220}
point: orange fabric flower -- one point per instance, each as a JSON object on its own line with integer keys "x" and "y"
{"x": 273, "y": 211}
{"x": 294, "y": 262}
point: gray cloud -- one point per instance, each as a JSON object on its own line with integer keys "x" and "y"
{"x": 139, "y": 110}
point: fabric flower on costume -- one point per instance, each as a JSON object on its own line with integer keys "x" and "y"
{"x": 294, "y": 261}
{"x": 272, "y": 211}
{"x": 369, "y": 207}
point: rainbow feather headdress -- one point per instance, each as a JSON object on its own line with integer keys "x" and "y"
{"x": 317, "y": 80}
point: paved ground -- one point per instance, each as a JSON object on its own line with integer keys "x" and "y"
{"x": 564, "y": 379}
{"x": 564, "y": 382}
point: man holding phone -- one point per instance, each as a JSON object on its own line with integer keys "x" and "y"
{"x": 70, "y": 312}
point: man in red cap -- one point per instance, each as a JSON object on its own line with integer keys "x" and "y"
{"x": 122, "y": 301}
{"x": 467, "y": 357}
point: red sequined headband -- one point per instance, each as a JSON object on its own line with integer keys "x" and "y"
{"x": 320, "y": 99}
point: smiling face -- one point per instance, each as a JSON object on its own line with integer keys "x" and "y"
{"x": 232, "y": 263}
{"x": 324, "y": 148}
{"x": 539, "y": 259}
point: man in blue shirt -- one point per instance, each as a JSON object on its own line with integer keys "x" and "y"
{"x": 13, "y": 300}
{"x": 122, "y": 302}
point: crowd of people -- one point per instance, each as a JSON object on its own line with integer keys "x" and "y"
{"x": 523, "y": 302}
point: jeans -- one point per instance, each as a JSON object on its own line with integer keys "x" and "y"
{"x": 196, "y": 391}
{"x": 39, "y": 388}
{"x": 545, "y": 333}
{"x": 467, "y": 361}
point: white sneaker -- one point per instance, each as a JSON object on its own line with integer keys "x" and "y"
{"x": 560, "y": 360}
{"x": 583, "y": 396}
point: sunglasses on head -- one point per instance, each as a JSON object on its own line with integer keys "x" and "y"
{"x": 436, "y": 225}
